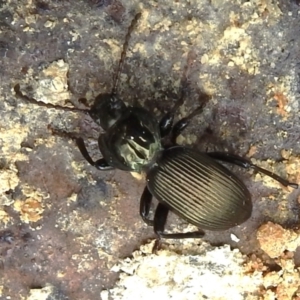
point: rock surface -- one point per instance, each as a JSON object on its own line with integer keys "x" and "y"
{"x": 64, "y": 224}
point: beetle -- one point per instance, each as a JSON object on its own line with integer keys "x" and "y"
{"x": 191, "y": 184}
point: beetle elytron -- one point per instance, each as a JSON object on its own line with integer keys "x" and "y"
{"x": 191, "y": 184}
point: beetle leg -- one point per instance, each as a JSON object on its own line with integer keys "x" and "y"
{"x": 247, "y": 164}
{"x": 100, "y": 164}
{"x": 145, "y": 205}
{"x": 160, "y": 219}
{"x": 184, "y": 122}
{"x": 166, "y": 123}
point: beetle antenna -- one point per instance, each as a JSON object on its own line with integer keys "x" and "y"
{"x": 123, "y": 54}
{"x": 48, "y": 105}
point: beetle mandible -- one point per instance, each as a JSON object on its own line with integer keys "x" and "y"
{"x": 191, "y": 184}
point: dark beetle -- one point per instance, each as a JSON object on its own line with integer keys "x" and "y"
{"x": 191, "y": 184}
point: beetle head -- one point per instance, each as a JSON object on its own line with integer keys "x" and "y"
{"x": 107, "y": 110}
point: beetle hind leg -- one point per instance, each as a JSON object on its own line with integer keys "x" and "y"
{"x": 145, "y": 205}
{"x": 247, "y": 164}
{"x": 160, "y": 219}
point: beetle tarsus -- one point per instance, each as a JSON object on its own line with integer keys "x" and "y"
{"x": 156, "y": 246}
{"x": 293, "y": 185}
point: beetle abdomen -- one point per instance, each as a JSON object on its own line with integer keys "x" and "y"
{"x": 200, "y": 190}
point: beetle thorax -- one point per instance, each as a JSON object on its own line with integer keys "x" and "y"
{"x": 133, "y": 141}
{"x": 137, "y": 155}
{"x": 139, "y": 145}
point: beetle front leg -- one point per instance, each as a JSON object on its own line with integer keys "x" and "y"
{"x": 166, "y": 123}
{"x": 160, "y": 219}
{"x": 247, "y": 164}
{"x": 145, "y": 205}
{"x": 100, "y": 164}
{"x": 184, "y": 122}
